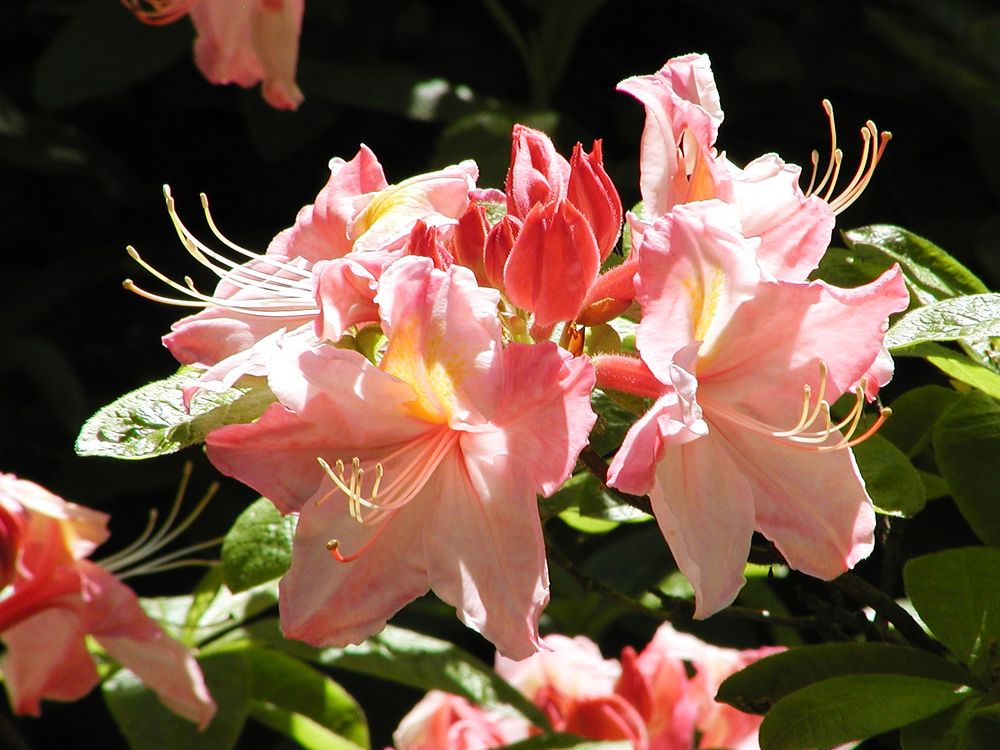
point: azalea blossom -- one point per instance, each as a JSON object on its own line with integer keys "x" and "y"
{"x": 318, "y": 275}
{"x": 239, "y": 41}
{"x": 419, "y": 470}
{"x": 743, "y": 369}
{"x": 679, "y": 164}
{"x": 55, "y": 598}
{"x": 442, "y": 721}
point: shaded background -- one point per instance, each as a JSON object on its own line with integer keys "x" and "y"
{"x": 98, "y": 111}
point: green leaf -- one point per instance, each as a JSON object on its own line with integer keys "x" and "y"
{"x": 258, "y": 547}
{"x": 148, "y": 725}
{"x": 852, "y": 267}
{"x": 955, "y": 365}
{"x": 957, "y": 594}
{"x": 893, "y": 483}
{"x": 584, "y": 495}
{"x": 410, "y": 658}
{"x": 102, "y": 49}
{"x": 756, "y": 688}
{"x": 614, "y": 418}
{"x": 913, "y": 416}
{"x": 297, "y": 700}
{"x": 931, "y": 274}
{"x": 946, "y": 730}
{"x": 152, "y": 421}
{"x": 972, "y": 316}
{"x": 854, "y": 707}
{"x": 967, "y": 447}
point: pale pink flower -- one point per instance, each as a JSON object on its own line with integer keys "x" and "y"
{"x": 57, "y": 598}
{"x": 744, "y": 368}
{"x": 574, "y": 685}
{"x": 240, "y": 41}
{"x": 679, "y": 164}
{"x": 430, "y": 463}
{"x": 441, "y": 721}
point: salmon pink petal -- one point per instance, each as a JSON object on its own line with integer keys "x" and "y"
{"x": 794, "y": 230}
{"x": 537, "y": 173}
{"x": 484, "y": 550}
{"x": 326, "y": 602}
{"x": 553, "y": 263}
{"x": 591, "y": 191}
{"x": 469, "y": 241}
{"x": 499, "y": 242}
{"x": 63, "y": 670}
{"x": 345, "y": 293}
{"x": 695, "y": 270}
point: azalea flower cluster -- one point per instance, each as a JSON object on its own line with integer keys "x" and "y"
{"x": 51, "y": 592}
{"x": 649, "y": 698}
{"x": 424, "y": 344}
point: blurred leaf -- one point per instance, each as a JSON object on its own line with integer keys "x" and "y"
{"x": 967, "y": 447}
{"x": 258, "y": 547}
{"x": 152, "y": 420}
{"x": 148, "y": 725}
{"x": 931, "y": 274}
{"x": 303, "y": 703}
{"x": 913, "y": 416}
{"x": 972, "y": 316}
{"x": 853, "y": 707}
{"x": 277, "y": 133}
{"x": 205, "y": 592}
{"x": 756, "y": 688}
{"x": 547, "y": 741}
{"x": 957, "y": 593}
{"x": 413, "y": 659}
{"x": 561, "y": 24}
{"x": 103, "y": 49}
{"x": 955, "y": 365}
{"x": 893, "y": 483}
{"x": 584, "y": 494}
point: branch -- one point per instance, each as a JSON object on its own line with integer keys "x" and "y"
{"x": 599, "y": 468}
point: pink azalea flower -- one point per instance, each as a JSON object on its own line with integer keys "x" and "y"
{"x": 56, "y": 598}
{"x": 441, "y": 721}
{"x": 418, "y": 472}
{"x": 293, "y": 285}
{"x": 575, "y": 687}
{"x": 240, "y": 42}
{"x": 743, "y": 369}
{"x": 679, "y": 164}
{"x": 677, "y": 707}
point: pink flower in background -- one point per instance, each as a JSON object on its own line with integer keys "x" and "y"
{"x": 679, "y": 164}
{"x": 431, "y": 461}
{"x": 744, "y": 368}
{"x": 56, "y": 598}
{"x": 441, "y": 721}
{"x": 575, "y": 687}
{"x": 240, "y": 41}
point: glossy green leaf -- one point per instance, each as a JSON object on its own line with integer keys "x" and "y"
{"x": 568, "y": 742}
{"x": 102, "y": 49}
{"x": 152, "y": 420}
{"x": 258, "y": 547}
{"x": 893, "y": 483}
{"x": 955, "y": 365}
{"x": 851, "y": 267}
{"x": 756, "y": 688}
{"x": 409, "y": 658}
{"x": 947, "y": 730}
{"x": 854, "y": 707}
{"x": 931, "y": 273}
{"x": 296, "y": 699}
{"x": 614, "y": 418}
{"x": 967, "y": 447}
{"x": 913, "y": 416}
{"x": 957, "y": 594}
{"x": 971, "y": 316}
{"x": 148, "y": 725}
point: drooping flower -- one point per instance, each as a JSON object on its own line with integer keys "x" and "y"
{"x": 441, "y": 721}
{"x": 241, "y": 42}
{"x": 418, "y": 472}
{"x": 574, "y": 685}
{"x": 744, "y": 369}
{"x": 679, "y": 164}
{"x": 56, "y": 598}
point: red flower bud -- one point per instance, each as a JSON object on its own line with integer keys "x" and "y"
{"x": 591, "y": 191}
{"x": 537, "y": 173}
{"x": 499, "y": 242}
{"x": 468, "y": 243}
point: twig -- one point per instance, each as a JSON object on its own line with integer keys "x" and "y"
{"x": 599, "y": 468}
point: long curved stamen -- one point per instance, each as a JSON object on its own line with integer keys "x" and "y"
{"x": 159, "y": 12}
{"x": 873, "y": 146}
{"x": 815, "y": 426}
{"x": 289, "y": 295}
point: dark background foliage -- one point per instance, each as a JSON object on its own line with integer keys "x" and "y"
{"x": 97, "y": 111}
